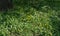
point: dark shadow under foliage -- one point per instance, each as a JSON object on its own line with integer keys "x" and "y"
{"x": 5, "y": 5}
{"x": 37, "y": 4}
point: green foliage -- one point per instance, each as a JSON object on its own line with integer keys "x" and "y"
{"x": 25, "y": 20}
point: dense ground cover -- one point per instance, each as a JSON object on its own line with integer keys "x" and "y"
{"x": 28, "y": 19}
